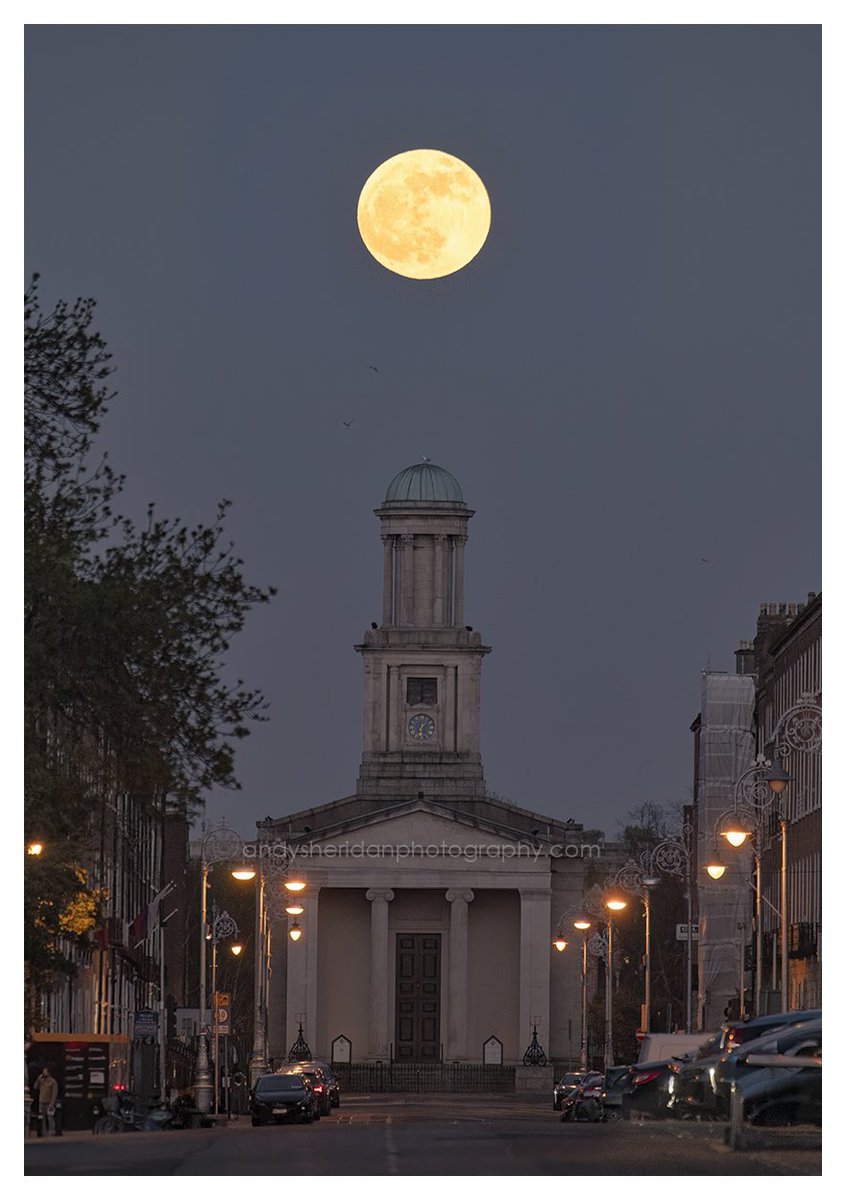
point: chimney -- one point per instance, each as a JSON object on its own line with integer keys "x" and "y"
{"x": 744, "y": 659}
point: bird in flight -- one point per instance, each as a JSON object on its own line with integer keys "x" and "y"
{"x": 707, "y": 560}
{"x": 348, "y": 424}
{"x": 372, "y": 368}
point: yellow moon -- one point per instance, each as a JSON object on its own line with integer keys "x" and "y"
{"x": 424, "y": 214}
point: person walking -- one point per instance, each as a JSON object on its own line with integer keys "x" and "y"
{"x": 47, "y": 1088}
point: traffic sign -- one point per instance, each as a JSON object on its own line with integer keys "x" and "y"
{"x": 681, "y": 933}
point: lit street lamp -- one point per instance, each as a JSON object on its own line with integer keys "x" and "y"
{"x": 614, "y": 904}
{"x": 271, "y": 902}
{"x": 670, "y": 857}
{"x": 582, "y": 924}
{"x": 222, "y": 926}
{"x": 218, "y": 844}
{"x": 799, "y": 729}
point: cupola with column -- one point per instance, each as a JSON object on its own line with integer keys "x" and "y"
{"x": 422, "y": 665}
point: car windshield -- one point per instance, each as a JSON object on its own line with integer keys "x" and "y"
{"x": 279, "y": 1083}
{"x": 569, "y": 1080}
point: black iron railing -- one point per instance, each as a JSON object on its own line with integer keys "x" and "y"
{"x": 424, "y": 1077}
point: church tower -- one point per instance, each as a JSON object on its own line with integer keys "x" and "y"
{"x": 422, "y": 665}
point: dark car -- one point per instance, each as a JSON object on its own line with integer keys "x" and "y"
{"x": 694, "y": 1090}
{"x": 735, "y": 1033}
{"x": 566, "y": 1084}
{"x": 332, "y": 1085}
{"x": 612, "y": 1094}
{"x": 782, "y": 1095}
{"x": 691, "y": 1083}
{"x": 804, "y": 1039}
{"x": 282, "y": 1096}
{"x": 646, "y": 1091}
{"x": 316, "y": 1077}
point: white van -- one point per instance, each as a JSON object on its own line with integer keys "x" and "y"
{"x": 658, "y": 1046}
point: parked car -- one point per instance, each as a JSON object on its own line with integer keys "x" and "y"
{"x": 735, "y": 1033}
{"x": 283, "y": 1096}
{"x": 584, "y": 1101}
{"x": 782, "y": 1095}
{"x": 332, "y": 1084}
{"x": 693, "y": 1090}
{"x": 612, "y": 1095}
{"x": 646, "y": 1090}
{"x": 690, "y": 1085}
{"x": 566, "y": 1084}
{"x": 804, "y": 1039}
{"x": 316, "y": 1077}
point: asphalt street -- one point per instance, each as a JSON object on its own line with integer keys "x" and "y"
{"x": 433, "y": 1135}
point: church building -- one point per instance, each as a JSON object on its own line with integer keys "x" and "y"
{"x": 430, "y": 905}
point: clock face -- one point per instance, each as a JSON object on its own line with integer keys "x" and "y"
{"x": 421, "y": 726}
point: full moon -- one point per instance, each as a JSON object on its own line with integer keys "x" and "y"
{"x": 424, "y": 214}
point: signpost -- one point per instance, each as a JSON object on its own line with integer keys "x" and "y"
{"x": 681, "y": 933}
{"x": 220, "y": 1025}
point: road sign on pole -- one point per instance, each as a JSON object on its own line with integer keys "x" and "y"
{"x": 220, "y": 1012}
{"x": 681, "y": 933}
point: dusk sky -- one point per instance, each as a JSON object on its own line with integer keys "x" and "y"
{"x": 625, "y": 380}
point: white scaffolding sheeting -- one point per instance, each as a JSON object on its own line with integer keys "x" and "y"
{"x": 726, "y": 750}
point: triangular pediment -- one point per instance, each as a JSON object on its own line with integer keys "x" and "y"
{"x": 412, "y": 818}
{"x": 418, "y": 822}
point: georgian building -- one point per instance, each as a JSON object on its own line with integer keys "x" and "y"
{"x": 430, "y": 905}
{"x": 739, "y": 718}
{"x": 791, "y": 675}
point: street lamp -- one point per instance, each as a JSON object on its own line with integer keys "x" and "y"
{"x": 716, "y": 868}
{"x": 582, "y": 924}
{"x": 218, "y": 844}
{"x": 670, "y": 857}
{"x": 271, "y": 903}
{"x": 35, "y": 848}
{"x": 222, "y": 926}
{"x": 614, "y": 904}
{"x": 799, "y": 729}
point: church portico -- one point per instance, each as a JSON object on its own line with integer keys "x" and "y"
{"x": 429, "y": 904}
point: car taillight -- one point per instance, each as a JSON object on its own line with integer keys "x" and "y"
{"x": 645, "y": 1076}
{"x": 318, "y": 1087}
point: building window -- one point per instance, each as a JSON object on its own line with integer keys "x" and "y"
{"x": 421, "y": 691}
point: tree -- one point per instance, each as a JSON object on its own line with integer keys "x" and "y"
{"x": 127, "y": 631}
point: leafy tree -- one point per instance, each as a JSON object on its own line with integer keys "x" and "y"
{"x": 127, "y": 630}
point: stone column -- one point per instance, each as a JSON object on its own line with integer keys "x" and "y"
{"x": 380, "y": 993}
{"x": 457, "y": 990}
{"x": 534, "y": 965}
{"x": 441, "y": 546}
{"x": 388, "y": 582}
{"x": 407, "y": 581}
{"x": 458, "y": 618}
{"x": 302, "y": 973}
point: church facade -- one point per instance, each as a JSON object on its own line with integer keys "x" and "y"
{"x": 430, "y": 906}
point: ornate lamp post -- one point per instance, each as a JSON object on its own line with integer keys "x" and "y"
{"x": 670, "y": 857}
{"x": 614, "y": 904}
{"x": 222, "y": 926}
{"x": 582, "y": 923}
{"x": 272, "y": 903}
{"x": 799, "y": 730}
{"x": 218, "y": 844}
